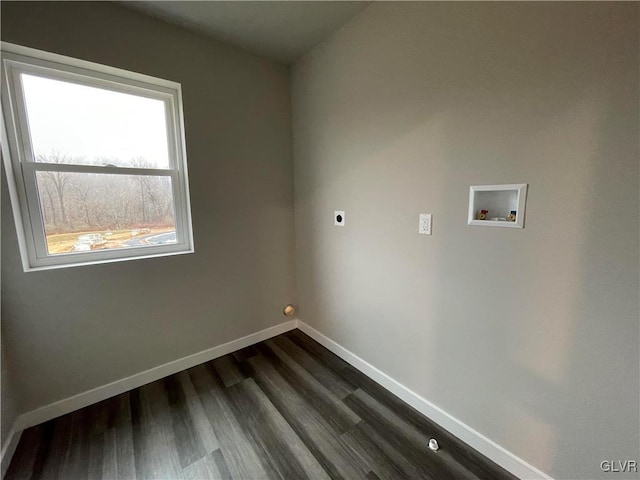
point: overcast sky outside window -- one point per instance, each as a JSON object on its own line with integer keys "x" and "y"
{"x": 92, "y": 123}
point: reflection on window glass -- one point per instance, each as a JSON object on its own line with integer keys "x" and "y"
{"x": 86, "y": 212}
{"x": 78, "y": 124}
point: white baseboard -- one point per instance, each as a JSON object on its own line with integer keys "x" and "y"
{"x": 84, "y": 399}
{"x": 465, "y": 433}
{"x": 476, "y": 440}
{"x": 8, "y": 449}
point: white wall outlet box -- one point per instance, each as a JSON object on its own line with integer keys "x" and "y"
{"x": 424, "y": 224}
{"x": 339, "y": 218}
{"x": 497, "y": 205}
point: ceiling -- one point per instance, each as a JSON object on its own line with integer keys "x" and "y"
{"x": 279, "y": 30}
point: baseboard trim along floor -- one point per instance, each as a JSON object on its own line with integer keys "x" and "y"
{"x": 476, "y": 440}
{"x": 84, "y": 399}
{"x": 67, "y": 405}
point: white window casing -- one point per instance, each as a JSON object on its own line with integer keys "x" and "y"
{"x": 22, "y": 167}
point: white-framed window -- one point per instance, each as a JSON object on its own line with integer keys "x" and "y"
{"x": 95, "y": 160}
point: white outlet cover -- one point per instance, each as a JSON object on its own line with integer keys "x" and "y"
{"x": 339, "y": 218}
{"x": 424, "y": 224}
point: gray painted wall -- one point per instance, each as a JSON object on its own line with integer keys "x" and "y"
{"x": 528, "y": 336}
{"x": 74, "y": 329}
{"x": 8, "y": 399}
{"x": 8, "y": 396}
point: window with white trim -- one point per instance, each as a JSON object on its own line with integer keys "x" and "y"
{"x": 95, "y": 161}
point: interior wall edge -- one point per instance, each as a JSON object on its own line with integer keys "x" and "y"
{"x": 9, "y": 448}
{"x": 475, "y": 439}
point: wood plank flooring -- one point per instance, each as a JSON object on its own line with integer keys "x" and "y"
{"x": 286, "y": 408}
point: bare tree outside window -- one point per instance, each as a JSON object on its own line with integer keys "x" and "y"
{"x": 86, "y": 212}
{"x": 100, "y": 170}
{"x": 119, "y": 210}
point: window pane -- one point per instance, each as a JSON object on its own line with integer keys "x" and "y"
{"x": 86, "y": 212}
{"x": 77, "y": 124}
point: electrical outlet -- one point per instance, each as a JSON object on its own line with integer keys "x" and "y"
{"x": 424, "y": 224}
{"x": 339, "y": 218}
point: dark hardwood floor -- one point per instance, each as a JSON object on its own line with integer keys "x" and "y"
{"x": 285, "y": 408}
